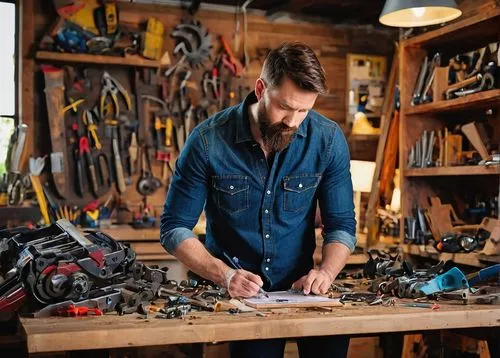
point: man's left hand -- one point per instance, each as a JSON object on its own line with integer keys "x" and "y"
{"x": 316, "y": 281}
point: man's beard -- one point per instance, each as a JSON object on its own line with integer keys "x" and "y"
{"x": 275, "y": 137}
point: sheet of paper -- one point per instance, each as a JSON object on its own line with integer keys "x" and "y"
{"x": 287, "y": 297}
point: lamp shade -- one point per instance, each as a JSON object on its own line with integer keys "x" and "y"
{"x": 362, "y": 175}
{"x": 413, "y": 13}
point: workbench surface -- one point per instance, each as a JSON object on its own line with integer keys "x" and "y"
{"x": 112, "y": 331}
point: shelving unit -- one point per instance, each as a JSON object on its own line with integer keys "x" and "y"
{"x": 418, "y": 184}
{"x": 130, "y": 60}
{"x": 480, "y": 100}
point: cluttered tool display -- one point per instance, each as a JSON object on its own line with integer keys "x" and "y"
{"x": 57, "y": 270}
{"x": 117, "y": 121}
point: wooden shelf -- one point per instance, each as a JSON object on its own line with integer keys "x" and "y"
{"x": 363, "y": 137}
{"x": 470, "y": 259}
{"x": 128, "y": 233}
{"x": 473, "y": 101}
{"x": 447, "y": 171}
{"x": 131, "y": 60}
{"x": 484, "y": 24}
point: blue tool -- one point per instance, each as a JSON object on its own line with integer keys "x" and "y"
{"x": 451, "y": 280}
{"x": 235, "y": 262}
{"x": 484, "y": 274}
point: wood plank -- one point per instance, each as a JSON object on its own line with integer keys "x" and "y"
{"x": 128, "y": 233}
{"x": 448, "y": 171}
{"x": 50, "y": 334}
{"x": 388, "y": 106}
{"x": 130, "y": 60}
{"x": 485, "y": 99}
{"x": 147, "y": 248}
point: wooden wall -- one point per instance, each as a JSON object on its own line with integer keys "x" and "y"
{"x": 331, "y": 43}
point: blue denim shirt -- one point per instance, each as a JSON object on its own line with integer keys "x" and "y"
{"x": 263, "y": 213}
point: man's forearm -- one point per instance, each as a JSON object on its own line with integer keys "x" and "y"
{"x": 195, "y": 256}
{"x": 335, "y": 257}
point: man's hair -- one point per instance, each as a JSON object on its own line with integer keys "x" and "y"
{"x": 298, "y": 62}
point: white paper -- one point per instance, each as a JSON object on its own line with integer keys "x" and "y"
{"x": 287, "y": 297}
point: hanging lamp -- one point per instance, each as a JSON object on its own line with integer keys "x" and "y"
{"x": 414, "y": 13}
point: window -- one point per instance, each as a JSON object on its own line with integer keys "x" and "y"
{"x": 7, "y": 76}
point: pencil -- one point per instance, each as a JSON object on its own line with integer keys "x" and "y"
{"x": 236, "y": 264}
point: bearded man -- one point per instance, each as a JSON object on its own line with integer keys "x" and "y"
{"x": 258, "y": 170}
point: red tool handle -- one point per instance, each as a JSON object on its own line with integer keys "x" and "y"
{"x": 84, "y": 145}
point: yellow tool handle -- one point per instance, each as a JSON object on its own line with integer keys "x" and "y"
{"x": 93, "y": 132}
{"x": 40, "y": 197}
{"x": 66, "y": 212}
{"x": 169, "y": 128}
{"x": 111, "y": 13}
{"x": 117, "y": 105}
{"x": 93, "y": 214}
{"x": 73, "y": 105}
{"x": 127, "y": 100}
{"x": 158, "y": 124}
{"x": 101, "y": 106}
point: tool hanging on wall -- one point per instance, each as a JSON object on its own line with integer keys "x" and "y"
{"x": 90, "y": 122}
{"x": 36, "y": 167}
{"x": 193, "y": 41}
{"x": 111, "y": 86}
{"x": 133, "y": 152}
{"x": 120, "y": 175}
{"x": 15, "y": 186}
{"x": 147, "y": 183}
{"x": 88, "y": 161}
{"x": 232, "y": 63}
{"x": 54, "y": 95}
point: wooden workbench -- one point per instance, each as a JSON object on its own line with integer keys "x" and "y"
{"x": 111, "y": 331}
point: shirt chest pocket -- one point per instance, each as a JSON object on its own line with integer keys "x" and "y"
{"x": 299, "y": 191}
{"x": 231, "y": 192}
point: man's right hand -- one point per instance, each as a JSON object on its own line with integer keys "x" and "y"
{"x": 243, "y": 283}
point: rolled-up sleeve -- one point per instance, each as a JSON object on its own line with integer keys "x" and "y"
{"x": 187, "y": 193}
{"x": 336, "y": 195}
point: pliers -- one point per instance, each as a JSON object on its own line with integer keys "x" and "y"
{"x": 84, "y": 151}
{"x": 111, "y": 86}
{"x": 88, "y": 120}
{"x": 211, "y": 78}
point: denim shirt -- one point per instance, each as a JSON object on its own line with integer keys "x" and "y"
{"x": 263, "y": 213}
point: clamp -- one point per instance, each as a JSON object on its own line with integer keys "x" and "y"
{"x": 111, "y": 86}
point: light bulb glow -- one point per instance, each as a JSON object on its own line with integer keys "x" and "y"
{"x": 418, "y": 11}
